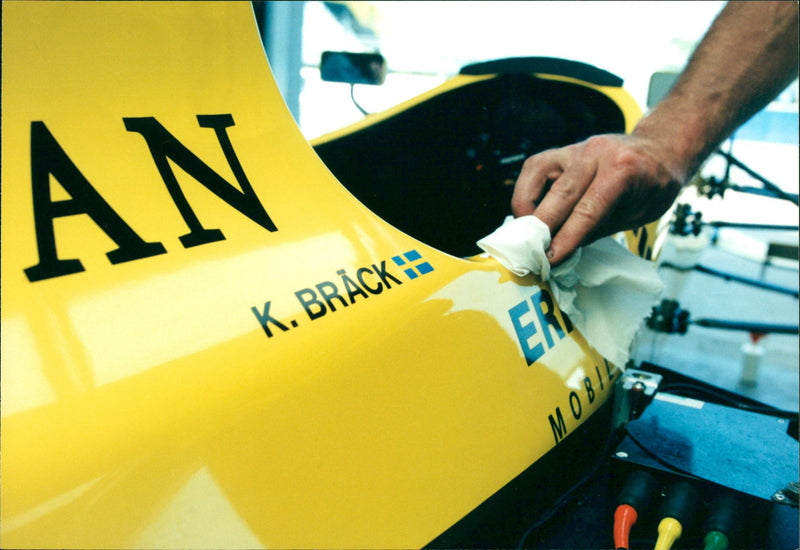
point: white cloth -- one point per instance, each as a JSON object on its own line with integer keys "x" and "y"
{"x": 606, "y": 290}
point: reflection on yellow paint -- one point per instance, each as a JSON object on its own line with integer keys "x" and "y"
{"x": 22, "y": 388}
{"x": 177, "y": 302}
{"x": 329, "y": 382}
{"x": 212, "y": 523}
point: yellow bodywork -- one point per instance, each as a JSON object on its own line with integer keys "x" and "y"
{"x": 167, "y": 392}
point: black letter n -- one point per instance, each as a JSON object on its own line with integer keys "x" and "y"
{"x": 163, "y": 146}
{"x": 47, "y": 157}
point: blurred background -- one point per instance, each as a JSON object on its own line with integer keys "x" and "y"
{"x": 425, "y": 43}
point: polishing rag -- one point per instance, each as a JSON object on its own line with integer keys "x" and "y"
{"x": 606, "y": 290}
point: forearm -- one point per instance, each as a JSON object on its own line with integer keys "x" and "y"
{"x": 748, "y": 56}
{"x": 613, "y": 182}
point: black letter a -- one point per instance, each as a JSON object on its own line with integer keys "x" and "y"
{"x": 47, "y": 157}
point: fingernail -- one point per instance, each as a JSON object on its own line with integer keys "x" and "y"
{"x": 550, "y": 253}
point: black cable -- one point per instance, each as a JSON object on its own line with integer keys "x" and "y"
{"x": 753, "y": 226}
{"x": 747, "y": 326}
{"x": 774, "y": 189}
{"x": 612, "y": 441}
{"x": 353, "y": 97}
{"x": 656, "y": 457}
{"x": 732, "y": 277}
{"x": 791, "y": 197}
{"x": 687, "y": 389}
{"x": 678, "y": 388}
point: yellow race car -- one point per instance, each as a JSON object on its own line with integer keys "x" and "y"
{"x": 217, "y": 335}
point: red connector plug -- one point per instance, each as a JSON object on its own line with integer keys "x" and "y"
{"x": 634, "y": 499}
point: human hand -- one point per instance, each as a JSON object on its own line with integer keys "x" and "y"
{"x": 605, "y": 184}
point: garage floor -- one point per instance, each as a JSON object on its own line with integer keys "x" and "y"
{"x": 715, "y": 355}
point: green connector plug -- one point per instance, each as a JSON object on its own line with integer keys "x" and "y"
{"x": 715, "y": 540}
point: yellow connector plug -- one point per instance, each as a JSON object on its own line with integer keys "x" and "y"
{"x": 669, "y": 530}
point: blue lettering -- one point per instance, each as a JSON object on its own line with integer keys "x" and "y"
{"x": 525, "y": 332}
{"x": 546, "y": 312}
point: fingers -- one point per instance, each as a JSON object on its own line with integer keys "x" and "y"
{"x": 586, "y": 183}
{"x": 565, "y": 195}
{"x": 552, "y": 186}
{"x": 533, "y": 181}
{"x": 586, "y": 222}
{"x": 593, "y": 188}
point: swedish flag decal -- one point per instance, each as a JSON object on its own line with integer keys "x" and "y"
{"x": 415, "y": 266}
